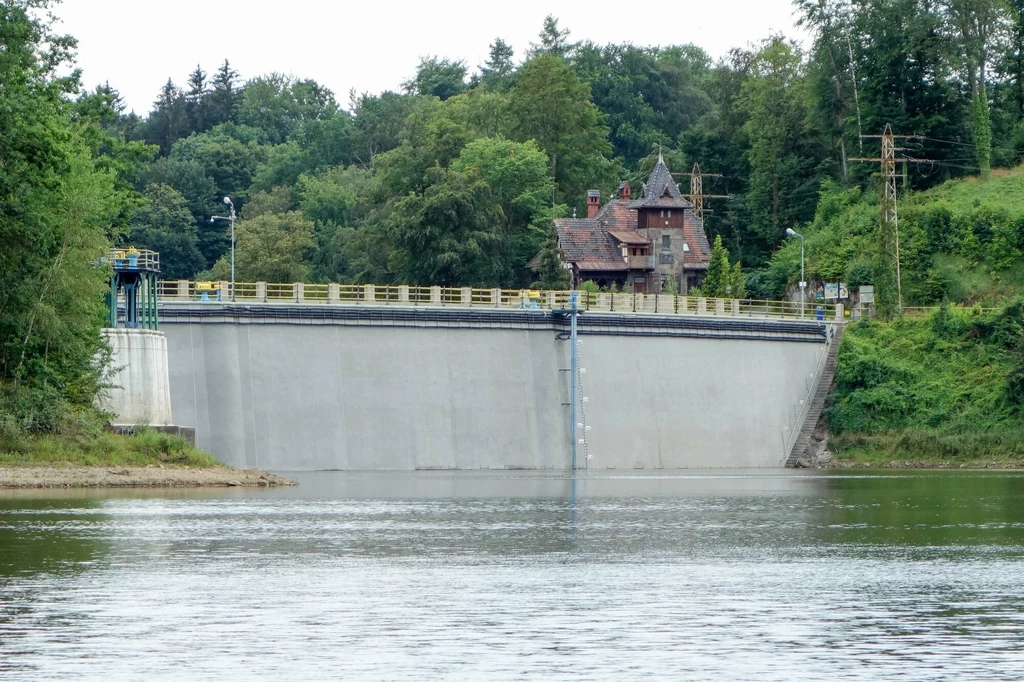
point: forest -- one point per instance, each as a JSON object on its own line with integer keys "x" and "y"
{"x": 454, "y": 177}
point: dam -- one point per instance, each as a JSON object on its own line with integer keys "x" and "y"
{"x": 300, "y": 386}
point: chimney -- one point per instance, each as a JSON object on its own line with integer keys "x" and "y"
{"x": 624, "y": 191}
{"x": 593, "y": 202}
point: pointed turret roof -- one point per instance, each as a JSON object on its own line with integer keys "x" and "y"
{"x": 660, "y": 190}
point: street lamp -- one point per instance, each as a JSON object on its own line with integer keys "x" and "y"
{"x": 227, "y": 202}
{"x": 686, "y": 283}
{"x": 803, "y": 282}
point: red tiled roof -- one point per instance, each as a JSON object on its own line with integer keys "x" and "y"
{"x": 630, "y": 237}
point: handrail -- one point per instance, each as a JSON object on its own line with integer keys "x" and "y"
{"x": 182, "y": 291}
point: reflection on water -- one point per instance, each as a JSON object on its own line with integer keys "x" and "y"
{"x": 490, "y": 575}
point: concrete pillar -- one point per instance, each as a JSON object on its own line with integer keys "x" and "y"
{"x": 839, "y": 312}
{"x": 551, "y": 300}
{"x": 369, "y": 293}
{"x": 702, "y": 305}
{"x": 333, "y": 292}
{"x": 735, "y": 306}
{"x": 403, "y": 293}
{"x": 719, "y": 306}
{"x": 604, "y": 301}
{"x": 300, "y": 292}
{"x": 467, "y": 296}
{"x": 183, "y": 289}
{"x": 261, "y": 292}
{"x": 683, "y": 304}
{"x": 435, "y": 295}
{"x": 225, "y": 290}
{"x": 140, "y": 391}
{"x": 496, "y": 297}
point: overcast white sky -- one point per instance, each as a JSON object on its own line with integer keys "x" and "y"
{"x": 371, "y": 45}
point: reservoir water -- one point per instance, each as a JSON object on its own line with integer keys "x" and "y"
{"x": 785, "y": 575}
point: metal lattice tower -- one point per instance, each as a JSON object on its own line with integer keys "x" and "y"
{"x": 890, "y": 215}
{"x": 697, "y": 191}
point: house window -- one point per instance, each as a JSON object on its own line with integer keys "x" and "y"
{"x": 663, "y": 214}
{"x": 666, "y": 241}
{"x": 670, "y": 214}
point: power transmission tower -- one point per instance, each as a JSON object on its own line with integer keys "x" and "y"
{"x": 697, "y": 195}
{"x": 890, "y": 231}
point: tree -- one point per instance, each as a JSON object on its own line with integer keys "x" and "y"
{"x": 553, "y": 40}
{"x": 552, "y": 272}
{"x": 190, "y": 180}
{"x": 737, "y": 282}
{"x": 282, "y": 107}
{"x": 195, "y": 98}
{"x": 224, "y": 99}
{"x": 271, "y": 247}
{"x": 978, "y": 24}
{"x": 784, "y": 160}
{"x": 169, "y": 120}
{"x": 520, "y": 192}
{"x": 164, "y": 224}
{"x": 497, "y": 70}
{"x": 443, "y": 235}
{"x": 57, "y": 211}
{"x": 441, "y": 78}
{"x": 550, "y": 105}
{"x": 718, "y": 275}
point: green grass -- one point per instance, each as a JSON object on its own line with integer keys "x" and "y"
{"x": 934, "y": 389}
{"x": 105, "y": 449}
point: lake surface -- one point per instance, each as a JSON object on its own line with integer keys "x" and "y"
{"x": 784, "y": 575}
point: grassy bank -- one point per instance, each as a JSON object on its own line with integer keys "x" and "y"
{"x": 945, "y": 390}
{"x": 148, "y": 447}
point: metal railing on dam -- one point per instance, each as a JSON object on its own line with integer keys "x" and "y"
{"x": 263, "y": 293}
{"x": 590, "y": 323}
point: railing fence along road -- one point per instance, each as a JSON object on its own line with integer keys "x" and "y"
{"x": 187, "y": 291}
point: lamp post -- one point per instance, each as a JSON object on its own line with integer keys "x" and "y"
{"x": 803, "y": 282}
{"x": 686, "y": 282}
{"x": 231, "y": 218}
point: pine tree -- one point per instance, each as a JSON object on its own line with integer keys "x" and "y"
{"x": 718, "y": 275}
{"x": 738, "y": 282}
{"x": 553, "y": 275}
{"x": 498, "y": 67}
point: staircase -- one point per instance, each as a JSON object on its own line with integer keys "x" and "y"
{"x": 805, "y": 442}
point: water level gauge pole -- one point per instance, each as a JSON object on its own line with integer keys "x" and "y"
{"x": 573, "y": 373}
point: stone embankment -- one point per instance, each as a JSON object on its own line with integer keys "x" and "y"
{"x": 135, "y": 477}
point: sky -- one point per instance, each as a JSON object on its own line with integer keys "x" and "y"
{"x": 369, "y": 45}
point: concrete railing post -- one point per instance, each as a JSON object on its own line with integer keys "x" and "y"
{"x": 719, "y": 306}
{"x": 333, "y": 292}
{"x": 840, "y": 309}
{"x": 496, "y": 297}
{"x": 300, "y": 292}
{"x": 467, "y": 296}
{"x": 369, "y": 293}
{"x": 702, "y": 305}
{"x": 183, "y": 288}
{"x": 551, "y": 300}
{"x": 435, "y": 295}
{"x": 735, "y": 306}
{"x": 261, "y": 291}
{"x": 225, "y": 290}
{"x": 683, "y": 304}
{"x": 403, "y": 293}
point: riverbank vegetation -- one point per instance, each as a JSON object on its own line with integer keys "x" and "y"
{"x": 147, "y": 447}
{"x": 947, "y": 388}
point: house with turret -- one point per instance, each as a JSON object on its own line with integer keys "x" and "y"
{"x": 651, "y": 244}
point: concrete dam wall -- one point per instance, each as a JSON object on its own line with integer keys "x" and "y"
{"x": 306, "y": 388}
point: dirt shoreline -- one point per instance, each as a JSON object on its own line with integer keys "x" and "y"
{"x": 75, "y": 476}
